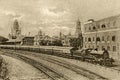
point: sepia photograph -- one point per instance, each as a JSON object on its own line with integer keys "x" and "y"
{"x": 59, "y": 39}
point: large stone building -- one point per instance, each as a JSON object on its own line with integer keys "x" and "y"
{"x": 40, "y": 38}
{"x": 65, "y": 39}
{"x": 104, "y": 33}
{"x": 28, "y": 40}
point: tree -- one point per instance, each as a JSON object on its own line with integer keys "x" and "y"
{"x": 77, "y": 42}
{"x": 43, "y": 42}
{"x": 57, "y": 43}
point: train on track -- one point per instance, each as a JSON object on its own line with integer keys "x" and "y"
{"x": 88, "y": 55}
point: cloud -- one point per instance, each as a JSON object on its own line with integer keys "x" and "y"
{"x": 12, "y": 14}
{"x": 58, "y": 10}
{"x": 53, "y": 11}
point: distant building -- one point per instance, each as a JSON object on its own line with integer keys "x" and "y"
{"x": 38, "y": 38}
{"x": 41, "y": 39}
{"x": 104, "y": 33}
{"x": 28, "y": 40}
{"x": 65, "y": 39}
{"x": 3, "y": 40}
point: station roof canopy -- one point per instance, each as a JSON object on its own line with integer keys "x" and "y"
{"x": 13, "y": 40}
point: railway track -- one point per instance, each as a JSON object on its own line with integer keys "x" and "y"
{"x": 50, "y": 72}
{"x": 114, "y": 67}
{"x": 75, "y": 68}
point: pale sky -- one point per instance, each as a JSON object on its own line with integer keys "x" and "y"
{"x": 53, "y": 16}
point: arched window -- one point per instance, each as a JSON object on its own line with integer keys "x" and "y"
{"x": 89, "y": 39}
{"x": 103, "y": 26}
{"x": 98, "y": 39}
{"x": 94, "y": 28}
{"x": 113, "y": 38}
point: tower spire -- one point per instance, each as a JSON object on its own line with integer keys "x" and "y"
{"x": 78, "y": 28}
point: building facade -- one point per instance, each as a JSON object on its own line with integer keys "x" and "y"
{"x": 38, "y": 38}
{"x": 41, "y": 39}
{"x": 65, "y": 39}
{"x": 28, "y": 40}
{"x": 104, "y": 33}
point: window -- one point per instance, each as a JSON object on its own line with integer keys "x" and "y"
{"x": 114, "y": 48}
{"x": 102, "y": 38}
{"x": 103, "y": 26}
{"x": 108, "y": 47}
{"x": 113, "y": 38}
{"x": 89, "y": 39}
{"x": 98, "y": 39}
{"x": 94, "y": 28}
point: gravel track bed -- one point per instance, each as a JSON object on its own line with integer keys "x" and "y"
{"x": 78, "y": 70}
{"x": 19, "y": 70}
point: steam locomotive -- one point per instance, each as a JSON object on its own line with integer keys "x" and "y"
{"x": 93, "y": 56}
